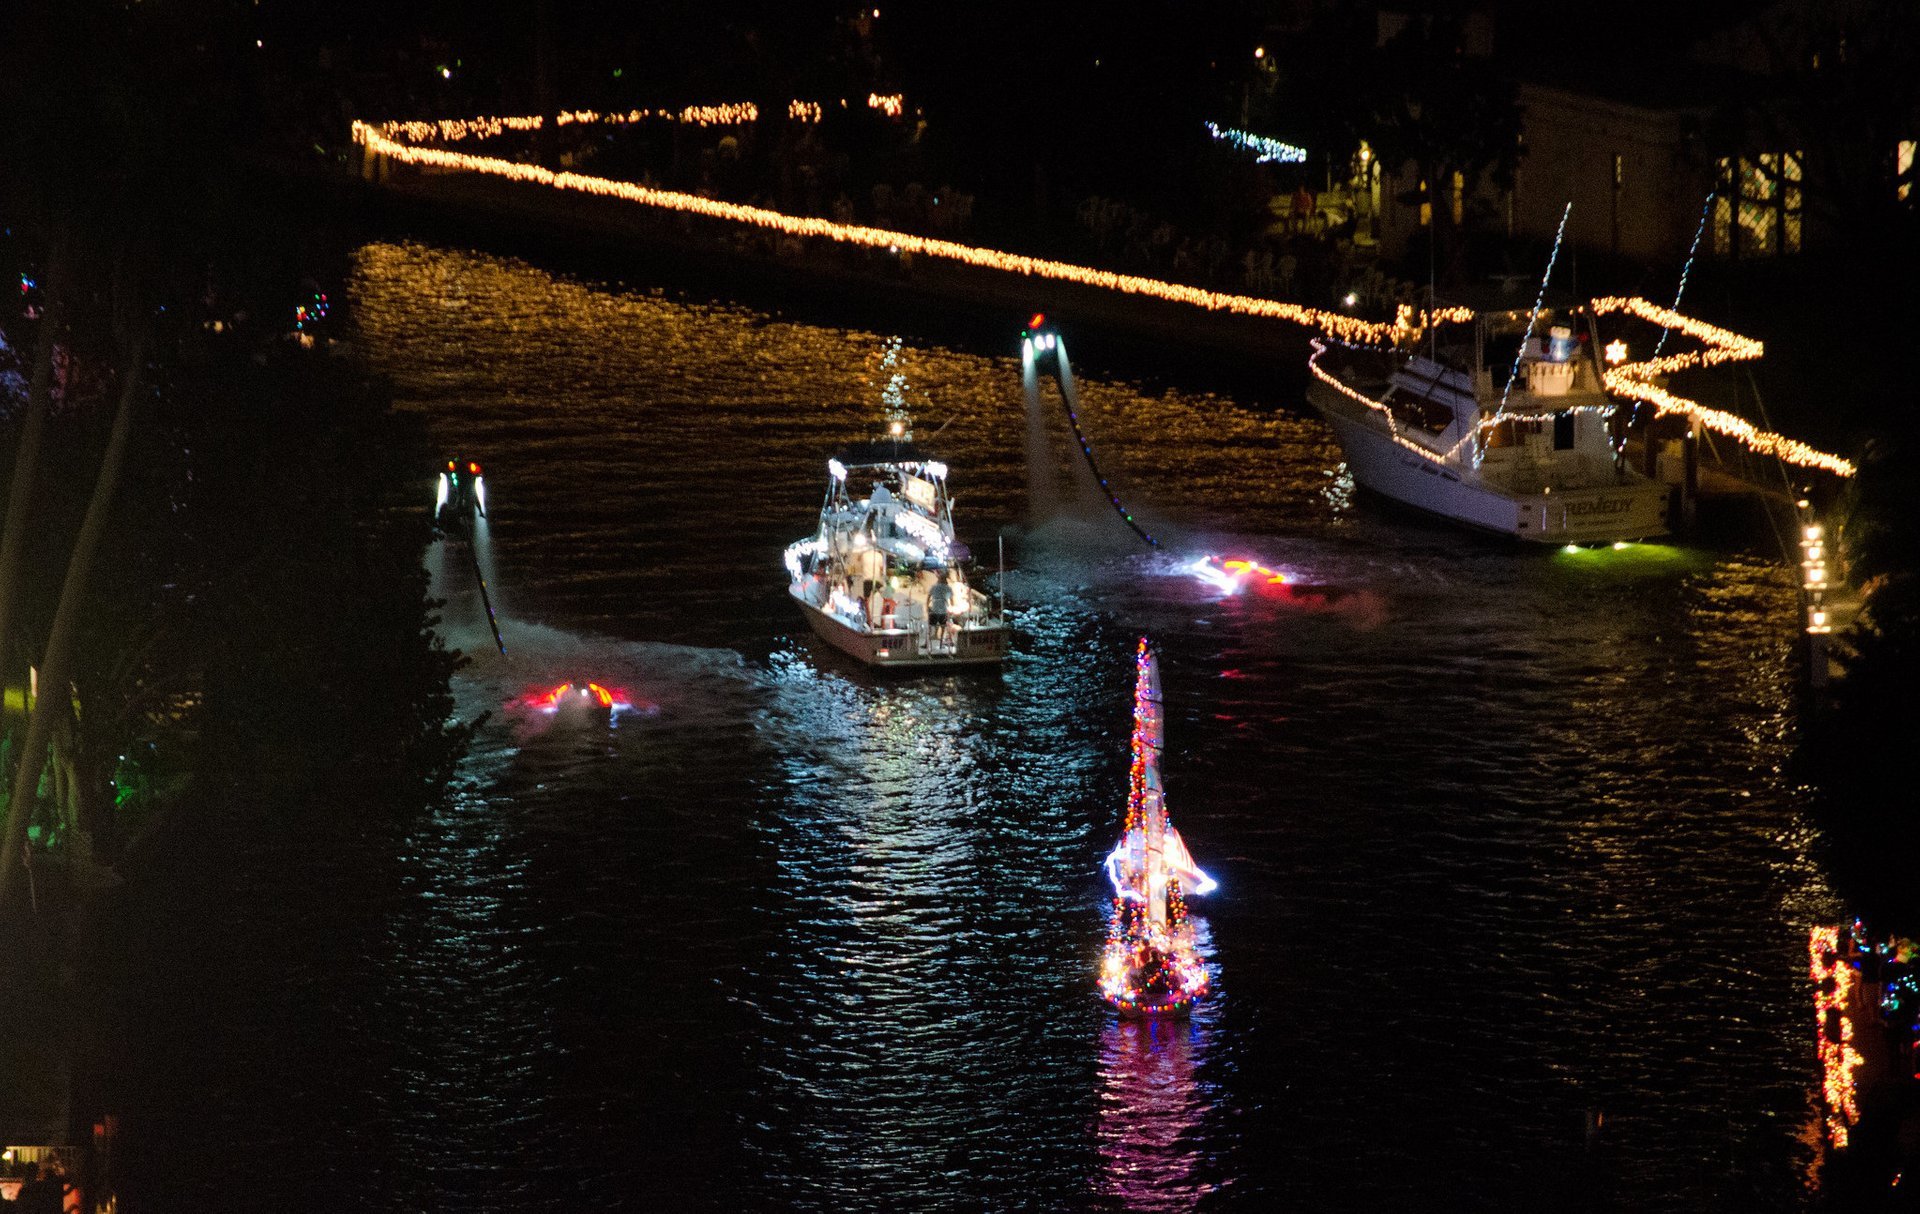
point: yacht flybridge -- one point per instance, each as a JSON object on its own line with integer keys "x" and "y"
{"x": 883, "y": 577}
{"x": 1537, "y": 457}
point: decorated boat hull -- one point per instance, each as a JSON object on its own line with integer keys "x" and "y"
{"x": 890, "y": 647}
{"x": 1632, "y": 510}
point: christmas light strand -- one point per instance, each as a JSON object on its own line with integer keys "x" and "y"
{"x": 1834, "y": 980}
{"x": 1706, "y": 209}
{"x": 1633, "y": 380}
{"x": 394, "y": 141}
{"x": 1337, "y": 324}
{"x": 1533, "y": 317}
{"x": 1265, "y": 150}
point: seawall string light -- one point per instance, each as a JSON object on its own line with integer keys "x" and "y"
{"x": 393, "y": 140}
{"x": 1338, "y": 324}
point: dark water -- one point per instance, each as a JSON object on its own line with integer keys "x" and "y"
{"x": 1502, "y": 836}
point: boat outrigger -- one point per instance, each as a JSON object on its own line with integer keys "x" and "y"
{"x": 1150, "y": 966}
{"x": 883, "y": 577}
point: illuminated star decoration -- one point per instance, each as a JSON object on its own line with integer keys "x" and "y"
{"x": 1616, "y": 351}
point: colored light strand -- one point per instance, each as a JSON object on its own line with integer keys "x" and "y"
{"x": 1706, "y": 209}
{"x": 1265, "y": 150}
{"x": 1539, "y": 300}
{"x": 1141, "y": 955}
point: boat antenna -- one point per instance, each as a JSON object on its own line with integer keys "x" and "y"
{"x": 1706, "y": 209}
{"x": 1539, "y": 300}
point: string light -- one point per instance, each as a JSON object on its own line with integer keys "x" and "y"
{"x": 1150, "y": 967}
{"x": 1706, "y": 208}
{"x": 1539, "y": 299}
{"x": 891, "y": 104}
{"x": 1266, "y": 150}
{"x": 396, "y": 140}
{"x": 1720, "y": 346}
{"x": 1834, "y": 979}
{"x": 803, "y": 111}
{"x": 378, "y": 141}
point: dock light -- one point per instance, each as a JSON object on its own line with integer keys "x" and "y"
{"x": 1259, "y": 52}
{"x": 1619, "y": 544}
{"x": 1814, "y": 552}
{"x": 1350, "y": 299}
{"x": 897, "y": 429}
{"x": 1814, "y": 532}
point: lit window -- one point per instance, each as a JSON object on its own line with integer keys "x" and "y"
{"x": 1757, "y": 212}
{"x": 1903, "y": 168}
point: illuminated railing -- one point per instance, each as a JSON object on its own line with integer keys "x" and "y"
{"x": 396, "y": 140}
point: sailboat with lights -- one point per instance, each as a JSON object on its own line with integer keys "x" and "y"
{"x": 1150, "y": 967}
{"x": 883, "y": 577}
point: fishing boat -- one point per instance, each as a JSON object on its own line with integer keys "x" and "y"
{"x": 1150, "y": 967}
{"x": 883, "y": 578}
{"x": 1539, "y": 456}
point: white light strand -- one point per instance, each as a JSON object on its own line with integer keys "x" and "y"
{"x": 1723, "y": 345}
{"x": 1337, "y": 324}
{"x": 386, "y": 139}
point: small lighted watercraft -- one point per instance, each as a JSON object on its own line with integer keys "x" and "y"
{"x": 460, "y": 519}
{"x": 580, "y": 697}
{"x": 459, "y": 499}
{"x": 1150, "y": 966}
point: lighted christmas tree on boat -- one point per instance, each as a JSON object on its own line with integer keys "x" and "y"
{"x": 1150, "y": 967}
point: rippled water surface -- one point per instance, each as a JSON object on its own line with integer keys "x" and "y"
{"x": 1502, "y": 836}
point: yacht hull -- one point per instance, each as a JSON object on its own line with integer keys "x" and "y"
{"x": 1632, "y": 510}
{"x": 898, "y": 647}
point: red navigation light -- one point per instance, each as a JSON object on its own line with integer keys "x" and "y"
{"x": 1039, "y": 318}
{"x": 473, "y": 468}
{"x": 450, "y": 465}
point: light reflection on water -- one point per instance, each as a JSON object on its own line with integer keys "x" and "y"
{"x": 1503, "y": 836}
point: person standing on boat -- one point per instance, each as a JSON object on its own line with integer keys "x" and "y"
{"x": 938, "y": 599}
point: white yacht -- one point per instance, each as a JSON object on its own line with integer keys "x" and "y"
{"x": 883, "y": 578}
{"x": 1538, "y": 460}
